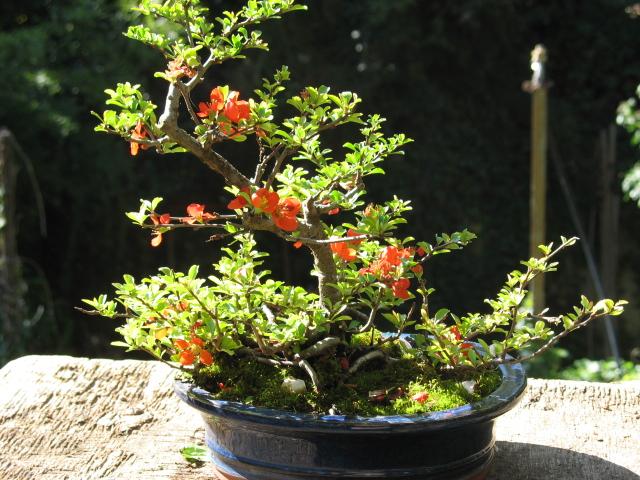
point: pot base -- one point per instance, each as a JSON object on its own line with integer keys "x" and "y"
{"x": 480, "y": 472}
{"x": 479, "y": 475}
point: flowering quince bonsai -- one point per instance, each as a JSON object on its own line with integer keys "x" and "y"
{"x": 237, "y": 326}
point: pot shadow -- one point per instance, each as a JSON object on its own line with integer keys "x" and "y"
{"x": 524, "y": 461}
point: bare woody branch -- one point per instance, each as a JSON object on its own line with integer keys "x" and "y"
{"x": 168, "y": 124}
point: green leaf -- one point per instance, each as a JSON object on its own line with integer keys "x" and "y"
{"x": 440, "y": 315}
{"x": 195, "y": 453}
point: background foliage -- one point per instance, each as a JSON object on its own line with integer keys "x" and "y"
{"x": 446, "y": 73}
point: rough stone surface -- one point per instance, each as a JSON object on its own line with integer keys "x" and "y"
{"x": 76, "y": 418}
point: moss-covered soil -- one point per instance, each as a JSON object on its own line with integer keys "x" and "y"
{"x": 379, "y": 388}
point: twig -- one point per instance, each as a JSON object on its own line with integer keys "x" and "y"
{"x": 273, "y": 362}
{"x": 359, "y": 314}
{"x": 262, "y": 166}
{"x": 268, "y": 313}
{"x": 372, "y": 315}
{"x": 319, "y": 347}
{"x": 327, "y": 241}
{"x": 312, "y": 374}
{"x": 96, "y": 313}
{"x": 367, "y": 357}
{"x": 196, "y": 226}
{"x": 158, "y": 357}
{"x": 187, "y": 100}
{"x": 276, "y": 167}
{"x": 547, "y": 345}
{"x": 187, "y": 25}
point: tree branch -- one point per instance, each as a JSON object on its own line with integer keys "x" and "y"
{"x": 319, "y": 347}
{"x": 312, "y": 374}
{"x": 168, "y": 123}
{"x": 366, "y": 358}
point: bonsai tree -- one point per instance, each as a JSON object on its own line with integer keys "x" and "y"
{"x": 246, "y": 336}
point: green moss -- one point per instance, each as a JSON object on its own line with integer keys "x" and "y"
{"x": 256, "y": 384}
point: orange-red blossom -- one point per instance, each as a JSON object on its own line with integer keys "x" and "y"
{"x": 345, "y": 249}
{"x": 163, "y": 219}
{"x": 231, "y": 107}
{"x": 265, "y": 200}
{"x": 139, "y": 133}
{"x": 196, "y": 214}
{"x": 386, "y": 266}
{"x": 465, "y": 346}
{"x": 235, "y": 109}
{"x": 189, "y": 350}
{"x": 283, "y": 211}
{"x": 285, "y": 214}
{"x": 240, "y": 201}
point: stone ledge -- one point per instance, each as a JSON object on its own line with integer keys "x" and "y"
{"x": 77, "y": 418}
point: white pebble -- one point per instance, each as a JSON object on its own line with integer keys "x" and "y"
{"x": 294, "y": 385}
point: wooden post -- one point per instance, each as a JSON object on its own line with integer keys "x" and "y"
{"x": 537, "y": 206}
{"x": 609, "y": 212}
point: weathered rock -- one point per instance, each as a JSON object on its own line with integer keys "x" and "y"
{"x": 76, "y": 418}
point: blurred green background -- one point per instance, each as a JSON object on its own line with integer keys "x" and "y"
{"x": 449, "y": 74}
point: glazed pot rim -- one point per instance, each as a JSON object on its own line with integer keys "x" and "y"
{"x": 504, "y": 398}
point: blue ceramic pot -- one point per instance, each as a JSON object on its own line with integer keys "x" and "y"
{"x": 263, "y": 444}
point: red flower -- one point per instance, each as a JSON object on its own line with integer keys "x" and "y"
{"x": 456, "y": 332}
{"x": 226, "y": 129}
{"x": 139, "y": 133}
{"x": 182, "y": 306}
{"x": 288, "y": 224}
{"x": 466, "y": 346}
{"x": 421, "y": 251}
{"x": 297, "y": 244}
{"x": 206, "y": 109}
{"x": 399, "y": 288}
{"x": 420, "y": 397}
{"x": 394, "y": 255}
{"x": 417, "y": 269}
{"x": 353, "y": 233}
{"x": 205, "y": 357}
{"x": 240, "y": 201}
{"x": 334, "y": 211}
{"x": 265, "y": 200}
{"x": 186, "y": 357}
{"x": 217, "y": 99}
{"x": 163, "y": 219}
{"x": 343, "y": 250}
{"x": 284, "y": 215}
{"x": 236, "y": 110}
{"x": 196, "y": 213}
{"x": 189, "y": 350}
{"x": 386, "y": 265}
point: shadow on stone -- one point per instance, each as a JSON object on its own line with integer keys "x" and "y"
{"x": 530, "y": 461}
